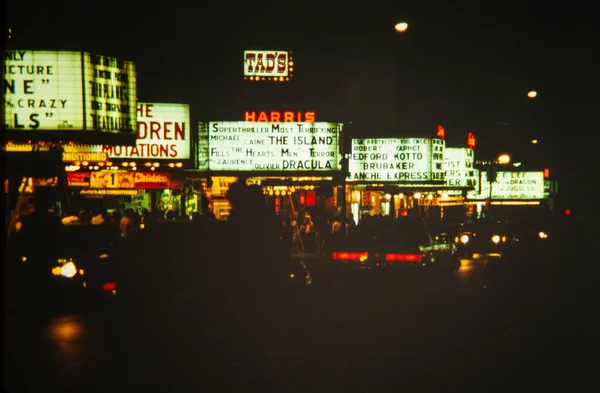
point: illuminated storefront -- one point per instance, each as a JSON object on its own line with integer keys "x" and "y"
{"x": 58, "y": 100}
{"x": 139, "y": 176}
{"x": 120, "y": 189}
{"x": 400, "y": 177}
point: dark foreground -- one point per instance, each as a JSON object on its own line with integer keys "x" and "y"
{"x": 533, "y": 329}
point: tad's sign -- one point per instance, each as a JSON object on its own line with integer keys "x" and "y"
{"x": 267, "y": 65}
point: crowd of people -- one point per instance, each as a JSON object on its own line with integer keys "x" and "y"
{"x": 303, "y": 234}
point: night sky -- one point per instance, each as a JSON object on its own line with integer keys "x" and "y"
{"x": 467, "y": 65}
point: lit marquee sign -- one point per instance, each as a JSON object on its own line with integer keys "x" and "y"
{"x": 163, "y": 132}
{"x": 401, "y": 160}
{"x": 260, "y": 65}
{"x": 51, "y": 90}
{"x": 458, "y": 168}
{"x": 71, "y": 153}
{"x": 136, "y": 180}
{"x": 514, "y": 185}
{"x": 110, "y": 94}
{"x": 34, "y": 99}
{"x": 275, "y": 147}
{"x": 278, "y": 116}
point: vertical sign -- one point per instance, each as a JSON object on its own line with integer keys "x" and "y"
{"x": 458, "y": 168}
{"x": 202, "y": 153}
{"x": 110, "y": 94}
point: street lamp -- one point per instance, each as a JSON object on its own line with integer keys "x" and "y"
{"x": 401, "y": 27}
{"x": 532, "y": 94}
{"x": 503, "y": 159}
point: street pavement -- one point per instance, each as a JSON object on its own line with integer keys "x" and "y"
{"x": 532, "y": 329}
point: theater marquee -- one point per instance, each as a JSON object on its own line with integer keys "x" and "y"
{"x": 514, "y": 185}
{"x": 273, "y": 147}
{"x": 163, "y": 132}
{"x": 50, "y": 94}
{"x": 399, "y": 160}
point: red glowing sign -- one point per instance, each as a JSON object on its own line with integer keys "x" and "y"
{"x": 278, "y": 116}
{"x": 471, "y": 140}
{"x": 546, "y": 173}
{"x": 567, "y": 212}
{"x": 441, "y": 132}
{"x": 311, "y": 198}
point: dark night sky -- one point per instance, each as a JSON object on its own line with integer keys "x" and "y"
{"x": 466, "y": 65}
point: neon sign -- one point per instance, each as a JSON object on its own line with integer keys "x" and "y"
{"x": 441, "y": 132}
{"x": 276, "y": 66}
{"x": 471, "y": 140}
{"x": 278, "y": 116}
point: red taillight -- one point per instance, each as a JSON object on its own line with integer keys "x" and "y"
{"x": 110, "y": 286}
{"x": 403, "y": 257}
{"x": 350, "y": 256}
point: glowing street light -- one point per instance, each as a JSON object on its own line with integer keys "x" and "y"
{"x": 504, "y": 159}
{"x": 532, "y": 94}
{"x": 534, "y": 141}
{"x": 401, "y": 27}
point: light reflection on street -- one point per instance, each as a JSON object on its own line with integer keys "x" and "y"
{"x": 469, "y": 274}
{"x": 65, "y": 329}
{"x": 67, "y": 341}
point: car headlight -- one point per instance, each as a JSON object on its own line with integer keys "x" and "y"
{"x": 543, "y": 235}
{"x": 496, "y": 239}
{"x": 464, "y": 239}
{"x": 68, "y": 270}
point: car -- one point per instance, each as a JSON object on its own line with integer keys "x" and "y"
{"x": 392, "y": 244}
{"x": 486, "y": 240}
{"x": 63, "y": 265}
{"x": 533, "y": 235}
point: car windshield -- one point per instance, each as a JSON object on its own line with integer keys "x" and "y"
{"x": 486, "y": 227}
{"x": 403, "y": 235}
